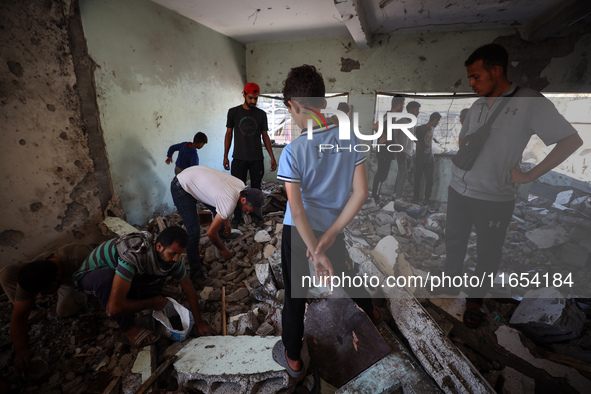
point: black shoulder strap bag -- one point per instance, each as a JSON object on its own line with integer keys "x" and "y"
{"x": 473, "y": 143}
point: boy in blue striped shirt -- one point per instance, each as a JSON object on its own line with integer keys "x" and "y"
{"x": 319, "y": 174}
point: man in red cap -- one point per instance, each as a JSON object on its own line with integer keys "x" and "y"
{"x": 246, "y": 124}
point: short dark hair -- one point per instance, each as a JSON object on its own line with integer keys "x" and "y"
{"x": 434, "y": 115}
{"x": 396, "y": 100}
{"x": 413, "y": 104}
{"x": 173, "y": 234}
{"x": 37, "y": 275}
{"x": 491, "y": 55}
{"x": 200, "y": 138}
{"x": 306, "y": 84}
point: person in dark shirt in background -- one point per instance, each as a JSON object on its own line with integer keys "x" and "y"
{"x": 424, "y": 161}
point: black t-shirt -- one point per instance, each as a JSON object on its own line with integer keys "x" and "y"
{"x": 382, "y": 151}
{"x": 248, "y": 127}
{"x": 424, "y": 141}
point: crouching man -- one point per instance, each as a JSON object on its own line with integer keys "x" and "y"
{"x": 221, "y": 193}
{"x": 128, "y": 273}
{"x": 49, "y": 272}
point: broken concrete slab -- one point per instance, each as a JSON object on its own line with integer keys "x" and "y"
{"x": 275, "y": 264}
{"x": 385, "y": 255}
{"x": 231, "y": 364}
{"x": 143, "y": 364}
{"x": 243, "y": 324}
{"x": 510, "y": 339}
{"x": 563, "y": 198}
{"x": 268, "y": 250}
{"x": 357, "y": 255}
{"x": 263, "y": 273}
{"x": 119, "y": 226}
{"x": 398, "y": 372}
{"x": 211, "y": 254}
{"x": 262, "y": 236}
{"x": 546, "y": 316}
{"x": 342, "y": 341}
{"x": 421, "y": 235}
{"x": 389, "y": 207}
{"x": 516, "y": 382}
{"x": 454, "y": 306}
{"x": 237, "y": 295}
{"x": 548, "y": 236}
{"x": 574, "y": 255}
{"x": 384, "y": 218}
{"x": 384, "y": 230}
{"x": 265, "y": 329}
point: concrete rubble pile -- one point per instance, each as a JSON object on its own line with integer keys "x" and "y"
{"x": 544, "y": 236}
{"x": 83, "y": 354}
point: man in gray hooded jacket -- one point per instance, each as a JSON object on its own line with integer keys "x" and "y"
{"x": 128, "y": 273}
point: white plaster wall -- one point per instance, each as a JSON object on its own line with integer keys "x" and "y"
{"x": 160, "y": 79}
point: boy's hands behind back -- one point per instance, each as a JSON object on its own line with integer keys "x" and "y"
{"x": 322, "y": 265}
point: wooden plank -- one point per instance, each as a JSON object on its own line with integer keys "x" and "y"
{"x": 109, "y": 389}
{"x": 155, "y": 375}
{"x": 583, "y": 368}
{"x": 224, "y": 310}
{"x": 241, "y": 238}
{"x": 483, "y": 341}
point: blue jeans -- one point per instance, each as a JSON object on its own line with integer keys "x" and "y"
{"x": 186, "y": 204}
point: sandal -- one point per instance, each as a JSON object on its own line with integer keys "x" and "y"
{"x": 473, "y": 315}
{"x": 280, "y": 358}
{"x": 140, "y": 337}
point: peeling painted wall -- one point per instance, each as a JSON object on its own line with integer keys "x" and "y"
{"x": 49, "y": 193}
{"x": 160, "y": 78}
{"x": 421, "y": 62}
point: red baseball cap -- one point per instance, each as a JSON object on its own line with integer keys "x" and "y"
{"x": 251, "y": 88}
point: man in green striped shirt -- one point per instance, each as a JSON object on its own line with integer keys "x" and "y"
{"x": 128, "y": 273}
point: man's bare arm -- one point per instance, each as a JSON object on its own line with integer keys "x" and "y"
{"x": 227, "y": 145}
{"x": 120, "y": 305}
{"x": 19, "y": 334}
{"x": 269, "y": 147}
{"x": 563, "y": 149}
{"x": 212, "y": 233}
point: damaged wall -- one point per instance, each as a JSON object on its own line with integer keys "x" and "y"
{"x": 421, "y": 62}
{"x": 49, "y": 176}
{"x": 160, "y": 78}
